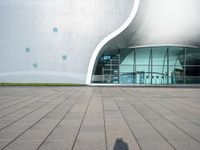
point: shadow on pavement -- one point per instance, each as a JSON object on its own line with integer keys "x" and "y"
{"x": 120, "y": 145}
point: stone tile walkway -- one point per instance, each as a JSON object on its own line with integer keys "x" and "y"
{"x": 99, "y": 118}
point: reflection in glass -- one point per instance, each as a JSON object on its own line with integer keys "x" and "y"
{"x": 149, "y": 65}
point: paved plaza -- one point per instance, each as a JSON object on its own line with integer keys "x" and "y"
{"x": 99, "y": 118}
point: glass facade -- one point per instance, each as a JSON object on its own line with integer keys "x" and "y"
{"x": 149, "y": 65}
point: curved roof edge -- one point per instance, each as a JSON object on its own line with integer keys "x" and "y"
{"x": 108, "y": 38}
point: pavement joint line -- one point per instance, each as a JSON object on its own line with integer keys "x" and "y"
{"x": 178, "y": 114}
{"x": 21, "y": 93}
{"x": 133, "y": 106}
{"x": 171, "y": 122}
{"x": 30, "y": 112}
{"x": 126, "y": 121}
{"x": 184, "y": 102}
{"x": 180, "y": 107}
{"x": 11, "y": 99}
{"x": 19, "y": 96}
{"x": 22, "y": 101}
{"x": 159, "y": 111}
{"x": 37, "y": 120}
{"x": 78, "y": 99}
{"x": 40, "y": 99}
{"x": 104, "y": 124}
{"x": 81, "y": 123}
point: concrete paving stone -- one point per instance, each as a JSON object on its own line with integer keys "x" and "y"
{"x": 4, "y": 142}
{"x": 190, "y": 128}
{"x": 125, "y": 138}
{"x": 67, "y": 129}
{"x": 23, "y": 145}
{"x": 97, "y": 145}
{"x": 183, "y": 145}
{"x": 154, "y": 118}
{"x": 56, "y": 145}
{"x": 73, "y": 117}
{"x": 166, "y": 128}
{"x": 182, "y": 112}
{"x": 40, "y": 136}
{"x": 7, "y": 135}
{"x": 14, "y": 103}
{"x": 154, "y": 145}
{"x": 90, "y": 140}
{"x": 92, "y": 128}
{"x": 18, "y": 110}
{"x": 63, "y": 134}
{"x": 186, "y": 107}
{"x": 36, "y": 136}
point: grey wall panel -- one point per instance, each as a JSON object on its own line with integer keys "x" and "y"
{"x": 52, "y": 41}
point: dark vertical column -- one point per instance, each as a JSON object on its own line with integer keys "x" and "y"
{"x": 110, "y": 68}
{"x": 163, "y": 67}
{"x": 184, "y": 67}
{"x": 134, "y": 64}
{"x": 119, "y": 60}
{"x": 149, "y": 67}
{"x": 167, "y": 65}
{"x": 151, "y": 60}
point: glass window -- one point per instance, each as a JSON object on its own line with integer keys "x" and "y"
{"x": 142, "y": 56}
{"x": 149, "y": 65}
{"x": 159, "y": 55}
{"x": 176, "y": 56}
{"x": 192, "y": 56}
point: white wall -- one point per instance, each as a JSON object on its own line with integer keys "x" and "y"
{"x": 80, "y": 24}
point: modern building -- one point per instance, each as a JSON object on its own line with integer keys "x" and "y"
{"x": 148, "y": 42}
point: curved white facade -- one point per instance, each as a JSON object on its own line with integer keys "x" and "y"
{"x": 57, "y": 41}
{"x": 53, "y": 40}
{"x": 159, "y": 23}
{"x": 166, "y": 22}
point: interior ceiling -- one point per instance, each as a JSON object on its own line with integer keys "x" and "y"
{"x": 162, "y": 22}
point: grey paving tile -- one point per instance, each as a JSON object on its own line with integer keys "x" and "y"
{"x": 180, "y": 111}
{"x": 87, "y": 138}
{"x": 23, "y": 145}
{"x": 146, "y": 135}
{"x": 185, "y": 125}
{"x": 56, "y": 144}
{"x": 65, "y": 134}
{"x": 29, "y": 120}
{"x": 154, "y": 118}
{"x": 166, "y": 129}
{"x": 116, "y": 127}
